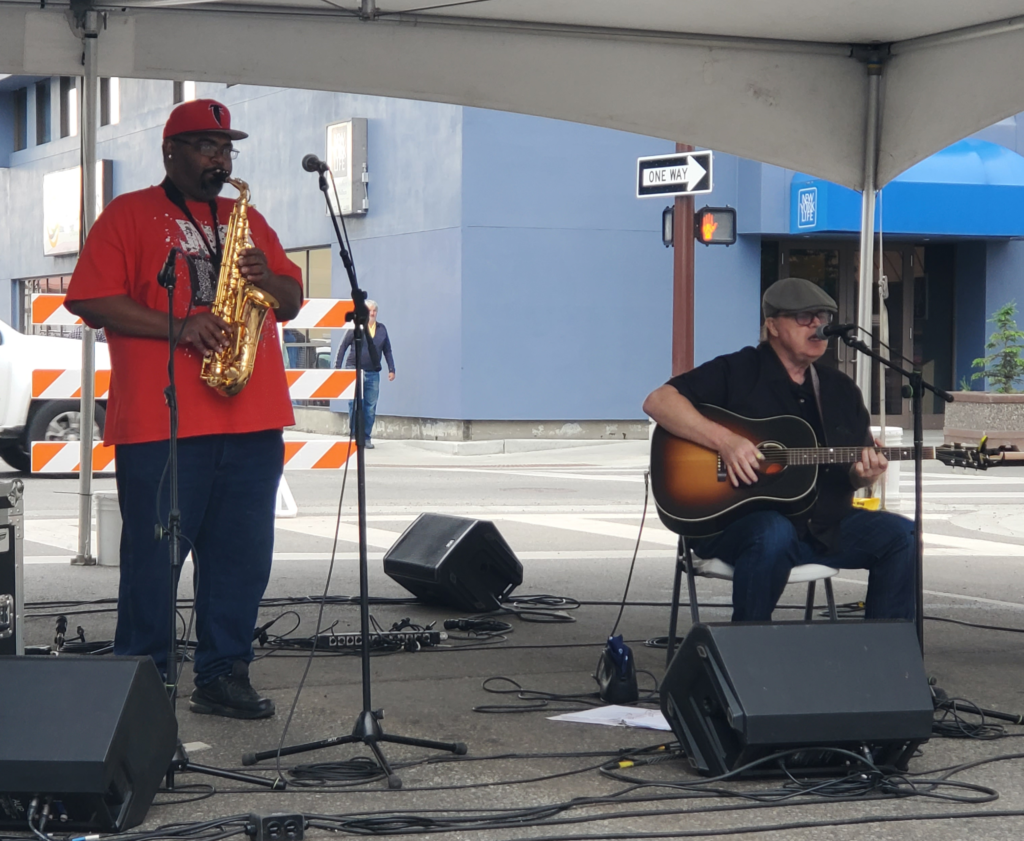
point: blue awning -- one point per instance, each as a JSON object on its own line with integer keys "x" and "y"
{"x": 971, "y": 189}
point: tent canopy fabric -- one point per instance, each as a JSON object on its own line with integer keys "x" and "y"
{"x": 780, "y": 82}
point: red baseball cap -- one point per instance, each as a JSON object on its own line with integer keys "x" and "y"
{"x": 201, "y": 115}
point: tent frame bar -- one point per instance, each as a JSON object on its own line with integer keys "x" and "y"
{"x": 87, "y": 22}
{"x": 865, "y": 285}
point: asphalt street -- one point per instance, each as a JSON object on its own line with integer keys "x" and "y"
{"x": 572, "y": 514}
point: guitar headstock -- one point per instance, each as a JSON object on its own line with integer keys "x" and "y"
{"x": 978, "y": 458}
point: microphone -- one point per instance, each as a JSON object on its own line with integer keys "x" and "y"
{"x": 166, "y": 278}
{"x": 826, "y": 330}
{"x": 311, "y": 163}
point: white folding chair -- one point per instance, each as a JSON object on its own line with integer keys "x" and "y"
{"x": 693, "y": 566}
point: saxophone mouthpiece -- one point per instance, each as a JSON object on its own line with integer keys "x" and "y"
{"x": 222, "y": 176}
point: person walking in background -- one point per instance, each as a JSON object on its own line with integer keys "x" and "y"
{"x": 371, "y": 375}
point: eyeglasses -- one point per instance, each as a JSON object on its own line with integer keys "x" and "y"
{"x": 209, "y": 149}
{"x": 806, "y": 319}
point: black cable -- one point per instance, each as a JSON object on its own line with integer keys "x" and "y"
{"x": 320, "y": 607}
{"x": 636, "y": 551}
{"x": 352, "y": 772}
{"x": 537, "y": 700}
{"x": 975, "y": 625}
{"x": 870, "y": 781}
{"x": 205, "y": 791}
{"x": 951, "y": 724}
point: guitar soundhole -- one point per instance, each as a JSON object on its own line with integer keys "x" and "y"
{"x": 771, "y": 467}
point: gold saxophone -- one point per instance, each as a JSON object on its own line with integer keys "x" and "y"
{"x": 241, "y": 304}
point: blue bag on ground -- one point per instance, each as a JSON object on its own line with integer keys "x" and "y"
{"x": 616, "y": 673}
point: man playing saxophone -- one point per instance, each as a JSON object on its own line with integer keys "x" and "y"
{"x": 231, "y": 451}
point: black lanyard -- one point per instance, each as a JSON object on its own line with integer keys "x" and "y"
{"x": 177, "y": 198}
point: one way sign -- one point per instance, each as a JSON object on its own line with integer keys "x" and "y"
{"x": 685, "y": 174}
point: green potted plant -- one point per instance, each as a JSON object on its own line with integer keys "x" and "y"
{"x": 999, "y": 411}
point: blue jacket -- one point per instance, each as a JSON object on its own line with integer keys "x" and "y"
{"x": 380, "y": 341}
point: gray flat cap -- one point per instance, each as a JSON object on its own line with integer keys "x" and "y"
{"x": 794, "y": 294}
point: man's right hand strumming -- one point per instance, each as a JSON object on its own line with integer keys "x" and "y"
{"x": 741, "y": 458}
{"x": 679, "y": 416}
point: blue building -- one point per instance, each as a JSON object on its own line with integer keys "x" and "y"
{"x": 950, "y": 229}
{"x": 525, "y": 286}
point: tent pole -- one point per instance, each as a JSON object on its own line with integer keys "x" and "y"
{"x": 89, "y": 23}
{"x": 867, "y": 223}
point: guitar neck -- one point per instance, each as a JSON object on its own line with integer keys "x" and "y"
{"x": 841, "y": 455}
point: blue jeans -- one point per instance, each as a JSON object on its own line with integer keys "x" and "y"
{"x": 227, "y": 490}
{"x": 763, "y": 547}
{"x": 371, "y": 391}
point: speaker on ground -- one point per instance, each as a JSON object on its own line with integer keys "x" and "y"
{"x": 454, "y": 561}
{"x": 735, "y": 693}
{"x": 94, "y": 735}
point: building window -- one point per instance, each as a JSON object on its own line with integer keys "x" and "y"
{"x": 42, "y": 112}
{"x": 68, "y": 107}
{"x": 110, "y": 101}
{"x": 311, "y": 348}
{"x": 184, "y": 92}
{"x": 20, "y": 119}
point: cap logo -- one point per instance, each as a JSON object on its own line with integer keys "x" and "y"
{"x": 216, "y": 110}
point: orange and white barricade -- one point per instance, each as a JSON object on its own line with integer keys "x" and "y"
{"x": 63, "y": 457}
{"x": 316, "y": 313}
{"x": 303, "y": 384}
{"x": 321, "y": 384}
{"x": 319, "y": 454}
{"x": 66, "y": 384}
{"x": 48, "y": 309}
{"x": 323, "y": 313}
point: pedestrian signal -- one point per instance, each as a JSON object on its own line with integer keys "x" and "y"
{"x": 715, "y": 225}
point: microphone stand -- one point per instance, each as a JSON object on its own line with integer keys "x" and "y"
{"x": 367, "y": 727}
{"x": 916, "y": 387}
{"x": 181, "y": 762}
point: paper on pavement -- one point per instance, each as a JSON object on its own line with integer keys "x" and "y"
{"x": 617, "y": 716}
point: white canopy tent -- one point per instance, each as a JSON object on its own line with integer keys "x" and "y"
{"x": 774, "y": 81}
{"x": 852, "y": 92}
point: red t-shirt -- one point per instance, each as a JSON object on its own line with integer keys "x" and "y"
{"x": 123, "y": 255}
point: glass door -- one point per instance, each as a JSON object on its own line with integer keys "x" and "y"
{"x": 830, "y": 266}
{"x": 917, "y": 311}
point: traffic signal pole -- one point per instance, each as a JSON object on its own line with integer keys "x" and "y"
{"x": 683, "y": 245}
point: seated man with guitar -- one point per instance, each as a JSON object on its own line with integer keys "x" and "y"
{"x": 773, "y": 448}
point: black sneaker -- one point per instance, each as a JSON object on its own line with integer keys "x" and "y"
{"x": 232, "y": 696}
{"x": 368, "y": 445}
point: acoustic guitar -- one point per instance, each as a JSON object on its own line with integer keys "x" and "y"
{"x": 695, "y": 497}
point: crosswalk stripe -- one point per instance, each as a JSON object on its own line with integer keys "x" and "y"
{"x": 587, "y": 526}
{"x": 992, "y": 548}
{"x": 348, "y": 532}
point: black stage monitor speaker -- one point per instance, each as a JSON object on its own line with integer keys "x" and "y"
{"x": 94, "y": 735}
{"x": 454, "y": 561}
{"x": 735, "y": 693}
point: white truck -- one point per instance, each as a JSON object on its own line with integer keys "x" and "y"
{"x": 23, "y": 419}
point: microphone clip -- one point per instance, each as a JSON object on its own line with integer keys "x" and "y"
{"x": 167, "y": 277}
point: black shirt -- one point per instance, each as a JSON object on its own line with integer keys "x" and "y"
{"x": 753, "y": 383}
